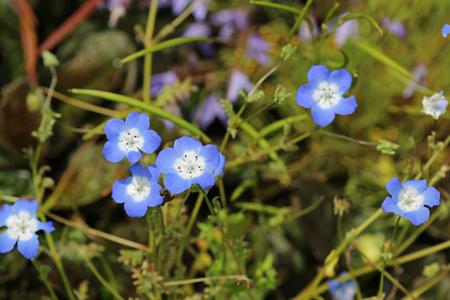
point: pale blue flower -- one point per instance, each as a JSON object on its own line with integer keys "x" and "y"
{"x": 395, "y": 28}
{"x": 324, "y": 94}
{"x": 118, "y": 8}
{"x": 238, "y": 81}
{"x": 257, "y": 48}
{"x": 139, "y": 191}
{"x": 231, "y": 20}
{"x": 304, "y": 32}
{"x": 346, "y": 30}
{"x": 435, "y": 105}
{"x": 445, "y": 30}
{"x": 419, "y": 71}
{"x": 342, "y": 290}
{"x": 22, "y": 224}
{"x": 187, "y": 163}
{"x": 178, "y": 6}
{"x": 126, "y": 138}
{"x": 408, "y": 199}
{"x": 210, "y": 110}
{"x": 160, "y": 80}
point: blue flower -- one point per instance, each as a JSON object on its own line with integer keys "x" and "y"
{"x": 238, "y": 81}
{"x": 342, "y": 290}
{"x": 210, "y": 110}
{"x": 257, "y": 48}
{"x": 419, "y": 71}
{"x": 160, "y": 80}
{"x": 221, "y": 167}
{"x": 304, "y": 32}
{"x": 118, "y": 8}
{"x": 435, "y": 105}
{"x": 139, "y": 191}
{"x": 346, "y": 30}
{"x": 445, "y": 30}
{"x": 20, "y": 219}
{"x": 395, "y": 28}
{"x": 231, "y": 20}
{"x": 408, "y": 199}
{"x": 126, "y": 138}
{"x": 187, "y": 163}
{"x": 323, "y": 94}
{"x": 178, "y": 6}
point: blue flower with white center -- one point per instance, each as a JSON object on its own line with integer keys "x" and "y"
{"x": 342, "y": 290}
{"x": 187, "y": 163}
{"x": 408, "y": 199}
{"x": 20, "y": 220}
{"x": 139, "y": 191}
{"x": 221, "y": 166}
{"x": 435, "y": 105}
{"x": 445, "y": 30}
{"x": 323, "y": 94}
{"x": 126, "y": 138}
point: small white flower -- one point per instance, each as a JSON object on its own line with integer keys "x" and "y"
{"x": 435, "y": 105}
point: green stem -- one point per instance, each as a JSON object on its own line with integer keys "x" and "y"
{"x": 433, "y": 157}
{"x": 301, "y": 15}
{"x": 160, "y": 258}
{"x": 46, "y": 283}
{"x": 277, "y": 6}
{"x": 268, "y": 106}
{"x": 280, "y": 124}
{"x": 148, "y": 57}
{"x": 340, "y": 136}
{"x": 223, "y": 198}
{"x": 390, "y": 246}
{"x": 203, "y": 279}
{"x": 339, "y": 227}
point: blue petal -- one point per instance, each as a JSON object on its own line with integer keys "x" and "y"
{"x": 418, "y": 216}
{"x": 47, "y": 226}
{"x": 166, "y": 160}
{"x": 154, "y": 171}
{"x": 445, "y": 30}
{"x": 133, "y": 156}
{"x": 221, "y": 166}
{"x": 317, "y": 74}
{"x": 346, "y": 106}
{"x": 5, "y": 212}
{"x": 6, "y": 243}
{"x": 138, "y": 170}
{"x": 112, "y": 152}
{"x": 211, "y": 155}
{"x": 119, "y": 190}
{"x": 322, "y": 117}
{"x": 175, "y": 184}
{"x": 185, "y": 144}
{"x": 136, "y": 209}
{"x": 206, "y": 180}
{"x": 342, "y": 78}
{"x": 394, "y": 187}
{"x": 132, "y": 120}
{"x": 431, "y": 197}
{"x": 390, "y": 206}
{"x": 113, "y": 128}
{"x": 304, "y": 96}
{"x": 152, "y": 141}
{"x": 143, "y": 122}
{"x": 25, "y": 205}
{"x": 29, "y": 248}
{"x": 419, "y": 185}
{"x": 155, "y": 197}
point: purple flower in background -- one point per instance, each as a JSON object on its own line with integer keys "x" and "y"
{"x": 210, "y": 110}
{"x": 420, "y": 70}
{"x": 238, "y": 81}
{"x": 139, "y": 191}
{"x": 396, "y": 28}
{"x": 257, "y": 48}
{"x": 118, "y": 8}
{"x": 200, "y": 29}
{"x": 345, "y": 31}
{"x": 409, "y": 199}
{"x": 231, "y": 20}
{"x": 304, "y": 32}
{"x": 324, "y": 94}
{"x": 435, "y": 105}
{"x": 342, "y": 290}
{"x": 20, "y": 220}
{"x": 178, "y": 6}
{"x": 445, "y": 30}
{"x": 160, "y": 80}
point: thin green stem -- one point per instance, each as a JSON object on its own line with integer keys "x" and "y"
{"x": 339, "y": 227}
{"x": 340, "y": 136}
{"x": 433, "y": 158}
{"x": 300, "y": 17}
{"x": 280, "y": 124}
{"x": 387, "y": 250}
{"x": 223, "y": 198}
{"x": 268, "y": 106}
{"x": 46, "y": 283}
{"x": 203, "y": 279}
{"x": 277, "y": 6}
{"x": 148, "y": 57}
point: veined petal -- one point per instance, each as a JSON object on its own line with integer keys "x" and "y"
{"x": 419, "y": 185}
{"x": 186, "y": 144}
{"x": 394, "y": 188}
{"x": 155, "y": 197}
{"x": 322, "y": 117}
{"x": 152, "y": 141}
{"x": 113, "y": 128}
{"x": 304, "y": 96}
{"x": 342, "y": 78}
{"x": 25, "y": 205}
{"x": 317, "y": 74}
{"x": 132, "y": 120}
{"x": 29, "y": 248}
{"x": 133, "y": 156}
{"x": 418, "y": 216}
{"x": 431, "y": 197}
{"x": 346, "y": 106}
{"x": 47, "y": 226}
{"x": 211, "y": 155}
{"x": 119, "y": 191}
{"x": 206, "y": 180}
{"x": 112, "y": 152}
{"x": 390, "y": 206}
{"x": 166, "y": 160}
{"x": 6, "y": 243}
{"x": 136, "y": 209}
{"x": 175, "y": 184}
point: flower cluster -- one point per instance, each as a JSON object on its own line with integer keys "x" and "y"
{"x": 188, "y": 163}
{"x": 22, "y": 224}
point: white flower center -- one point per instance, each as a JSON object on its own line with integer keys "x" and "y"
{"x": 131, "y": 140}
{"x": 21, "y": 226}
{"x": 409, "y": 199}
{"x": 139, "y": 188}
{"x": 190, "y": 165}
{"x": 327, "y": 94}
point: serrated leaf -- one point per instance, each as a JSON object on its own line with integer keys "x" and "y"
{"x": 131, "y": 257}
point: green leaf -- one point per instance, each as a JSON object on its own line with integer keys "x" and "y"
{"x": 131, "y": 257}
